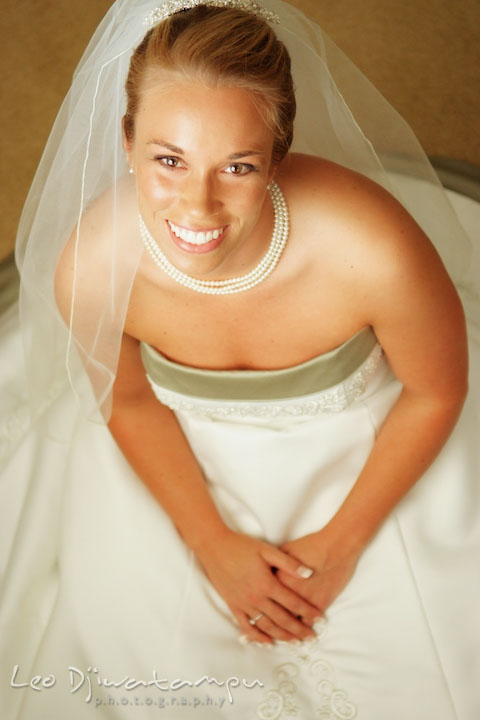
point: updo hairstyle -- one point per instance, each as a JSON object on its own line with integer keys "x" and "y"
{"x": 219, "y": 47}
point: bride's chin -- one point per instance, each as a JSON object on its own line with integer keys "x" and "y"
{"x": 203, "y": 266}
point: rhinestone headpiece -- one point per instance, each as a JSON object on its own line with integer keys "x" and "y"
{"x": 173, "y": 6}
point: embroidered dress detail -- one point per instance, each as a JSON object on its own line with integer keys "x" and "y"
{"x": 20, "y": 420}
{"x": 334, "y": 399}
{"x": 328, "y": 701}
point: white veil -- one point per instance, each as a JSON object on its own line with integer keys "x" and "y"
{"x": 340, "y": 116}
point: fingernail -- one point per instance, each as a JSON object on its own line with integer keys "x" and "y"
{"x": 243, "y": 640}
{"x": 320, "y": 618}
{"x": 287, "y": 643}
{"x": 319, "y": 625}
{"x": 304, "y": 572}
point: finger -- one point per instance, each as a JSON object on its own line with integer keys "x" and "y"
{"x": 265, "y": 629}
{"x": 250, "y": 631}
{"x": 271, "y": 629}
{"x": 280, "y": 560}
{"x": 293, "y": 595}
{"x": 276, "y": 622}
{"x": 293, "y": 600}
{"x": 319, "y": 595}
{"x": 291, "y": 627}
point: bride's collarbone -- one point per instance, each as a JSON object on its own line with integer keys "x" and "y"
{"x": 275, "y": 325}
{"x": 258, "y": 340}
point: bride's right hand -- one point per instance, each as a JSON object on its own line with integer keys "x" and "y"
{"x": 242, "y": 570}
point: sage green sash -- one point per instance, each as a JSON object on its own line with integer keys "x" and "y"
{"x": 315, "y": 375}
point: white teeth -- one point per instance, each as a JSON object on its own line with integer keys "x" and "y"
{"x": 194, "y": 238}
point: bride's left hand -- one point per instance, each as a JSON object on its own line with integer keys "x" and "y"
{"x": 333, "y": 567}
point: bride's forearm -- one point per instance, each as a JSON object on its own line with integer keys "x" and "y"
{"x": 153, "y": 443}
{"x": 410, "y": 439}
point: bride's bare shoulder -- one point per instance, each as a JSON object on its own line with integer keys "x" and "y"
{"x": 315, "y": 184}
{"x": 110, "y": 219}
{"x": 346, "y": 210}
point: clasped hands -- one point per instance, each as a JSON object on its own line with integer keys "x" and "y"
{"x": 285, "y": 590}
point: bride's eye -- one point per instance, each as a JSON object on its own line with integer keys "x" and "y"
{"x": 240, "y": 169}
{"x": 169, "y": 161}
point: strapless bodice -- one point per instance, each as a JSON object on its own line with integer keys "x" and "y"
{"x": 317, "y": 374}
{"x": 329, "y": 380}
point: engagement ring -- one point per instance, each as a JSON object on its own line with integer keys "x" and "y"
{"x": 253, "y": 621}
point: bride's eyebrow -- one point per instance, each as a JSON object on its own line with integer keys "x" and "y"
{"x": 245, "y": 153}
{"x": 178, "y": 150}
{"x": 167, "y": 146}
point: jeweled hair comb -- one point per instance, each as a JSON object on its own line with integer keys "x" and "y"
{"x": 173, "y": 6}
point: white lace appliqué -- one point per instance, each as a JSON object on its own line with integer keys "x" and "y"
{"x": 18, "y": 422}
{"x": 334, "y": 399}
{"x": 307, "y": 668}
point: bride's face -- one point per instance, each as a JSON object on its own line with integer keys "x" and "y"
{"x": 203, "y": 159}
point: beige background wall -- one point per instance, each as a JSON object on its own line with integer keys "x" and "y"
{"x": 424, "y": 55}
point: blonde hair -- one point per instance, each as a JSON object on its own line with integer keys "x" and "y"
{"x": 219, "y": 46}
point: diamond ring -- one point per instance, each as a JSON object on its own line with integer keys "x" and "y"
{"x": 253, "y": 621}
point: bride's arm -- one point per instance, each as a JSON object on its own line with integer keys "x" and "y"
{"x": 411, "y": 303}
{"x": 237, "y": 565}
{"x": 418, "y": 319}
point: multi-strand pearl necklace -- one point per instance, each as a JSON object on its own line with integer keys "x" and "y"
{"x": 231, "y": 285}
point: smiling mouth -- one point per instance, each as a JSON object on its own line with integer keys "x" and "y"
{"x": 196, "y": 238}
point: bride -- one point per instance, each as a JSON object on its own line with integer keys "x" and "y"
{"x": 268, "y": 518}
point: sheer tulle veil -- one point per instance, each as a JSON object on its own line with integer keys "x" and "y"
{"x": 340, "y": 116}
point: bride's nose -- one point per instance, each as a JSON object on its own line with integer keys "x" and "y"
{"x": 201, "y": 196}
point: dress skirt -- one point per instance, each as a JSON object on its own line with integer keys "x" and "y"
{"x": 112, "y": 615}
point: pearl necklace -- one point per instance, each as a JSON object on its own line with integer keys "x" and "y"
{"x": 232, "y": 285}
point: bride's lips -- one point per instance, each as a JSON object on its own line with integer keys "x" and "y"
{"x": 197, "y": 247}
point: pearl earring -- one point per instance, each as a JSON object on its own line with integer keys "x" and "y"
{"x": 131, "y": 171}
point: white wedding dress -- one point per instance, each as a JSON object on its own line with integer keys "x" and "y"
{"x": 100, "y": 589}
